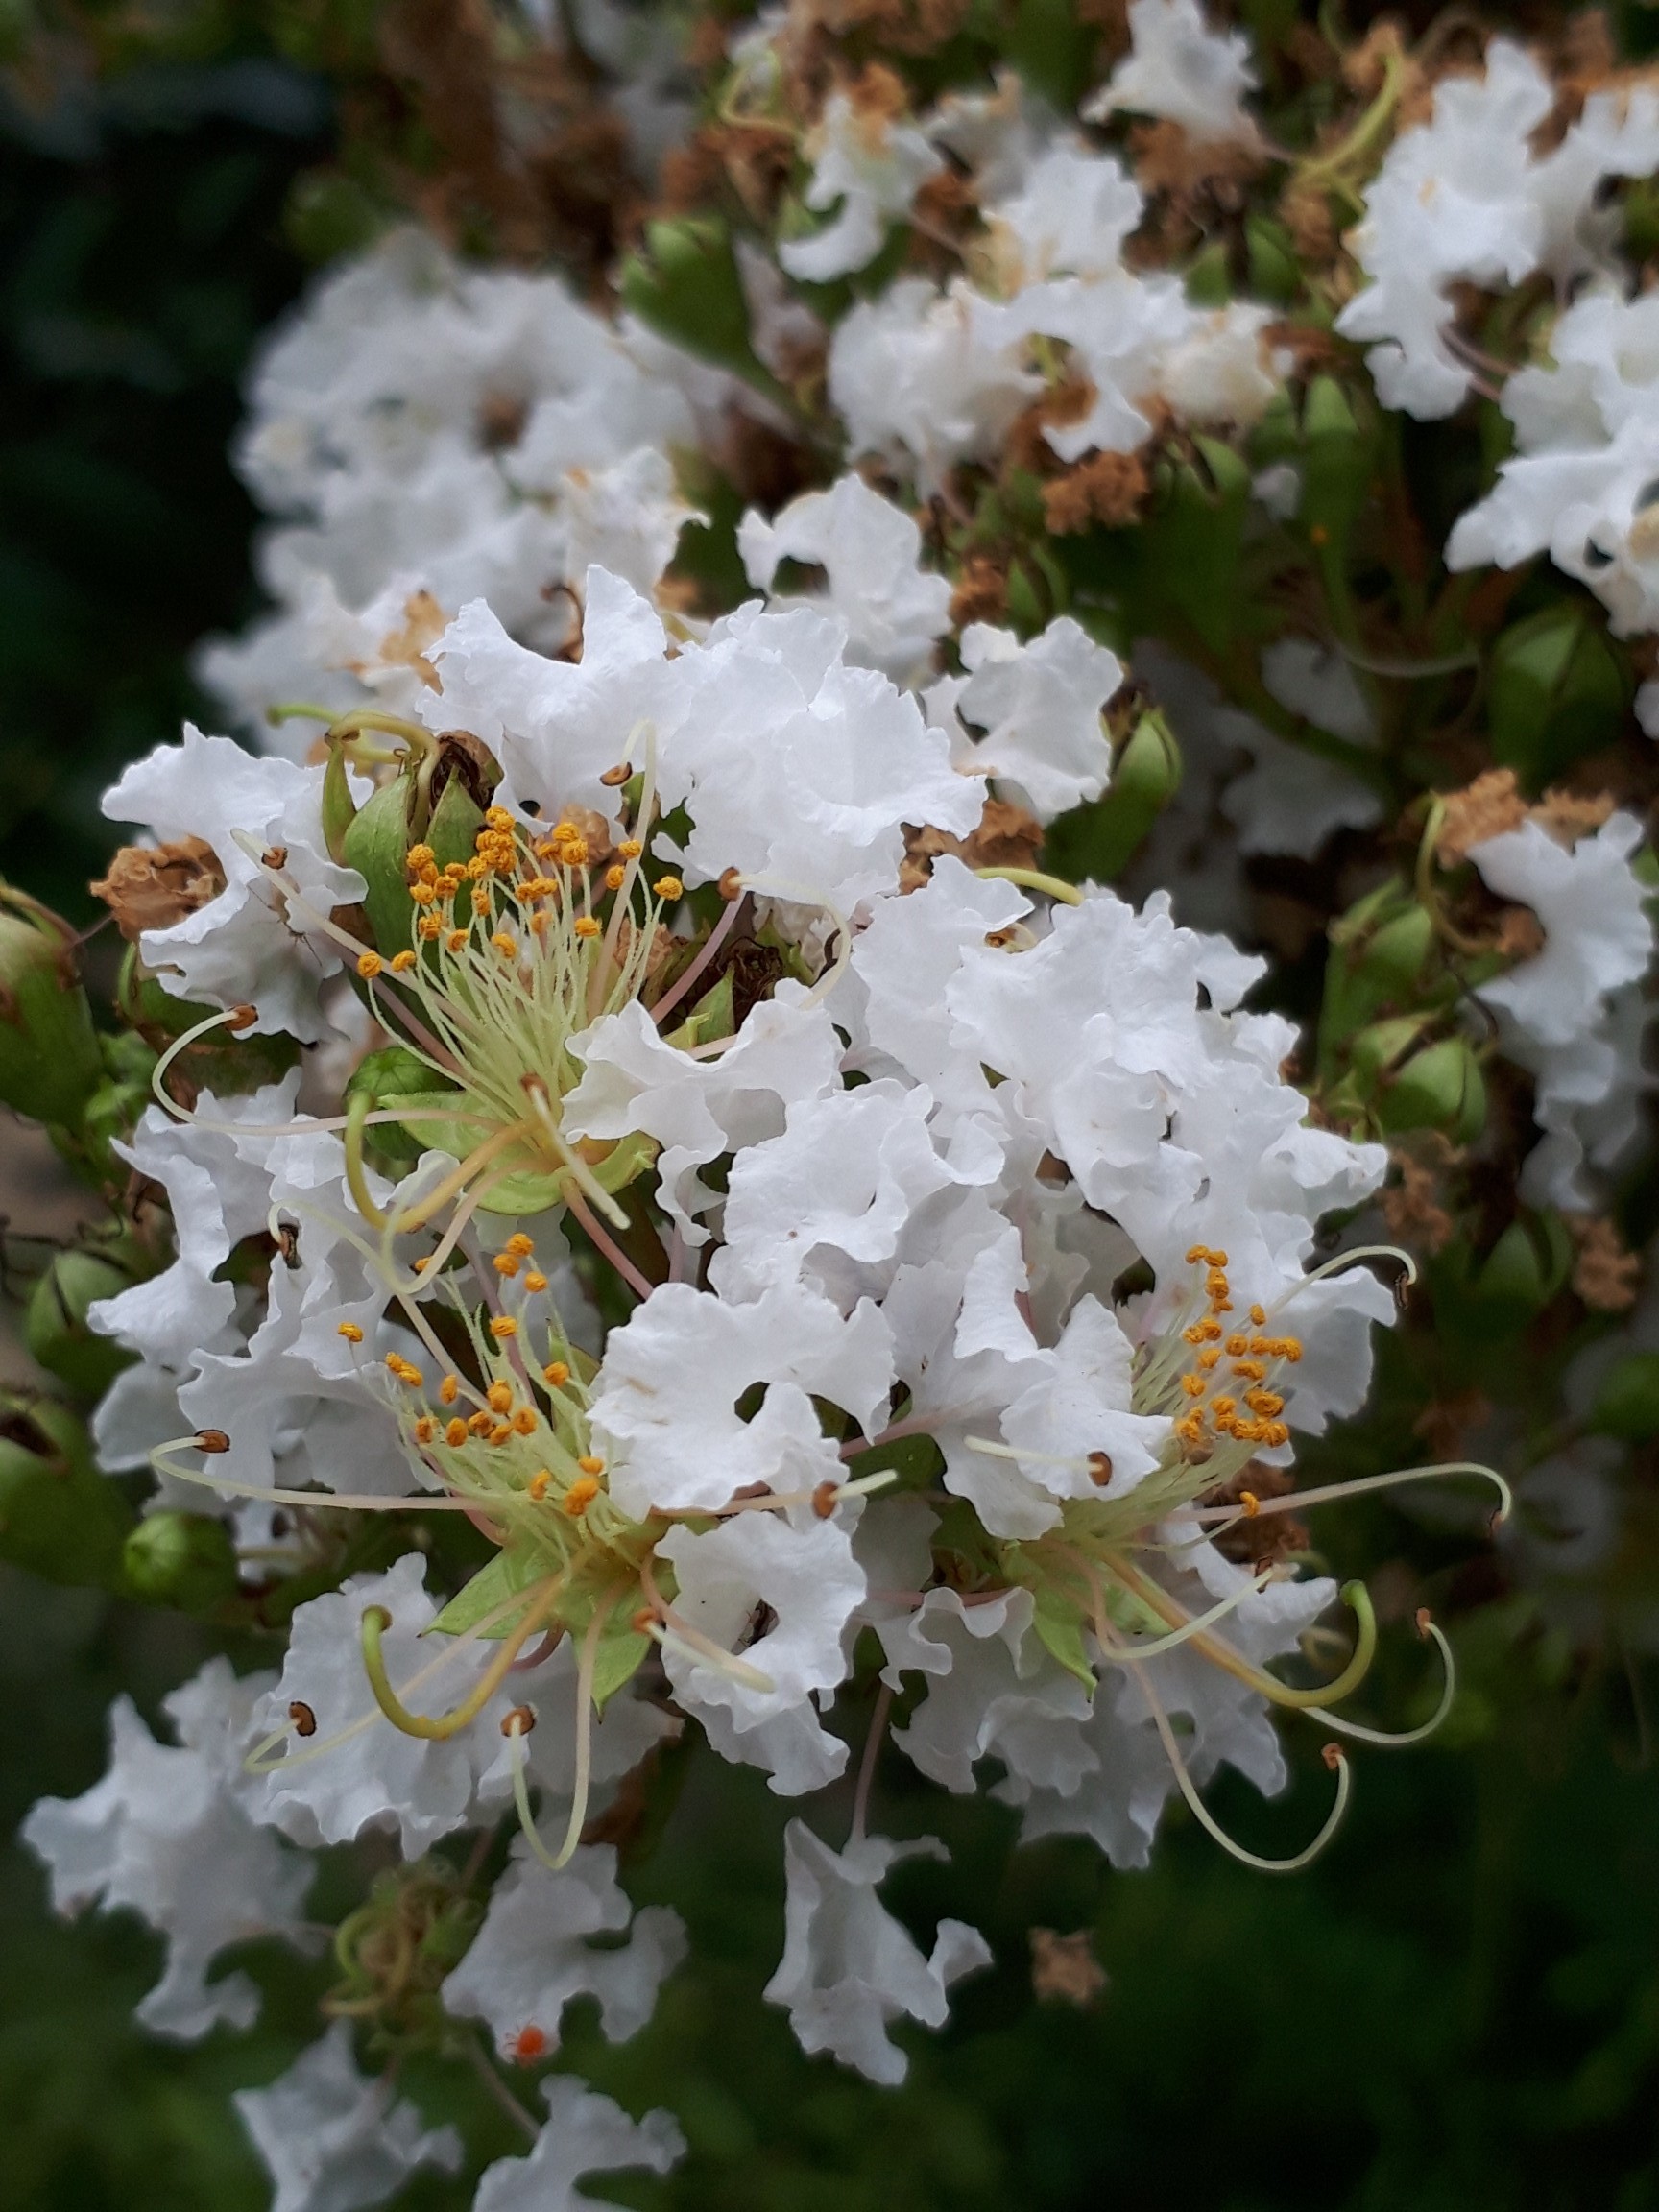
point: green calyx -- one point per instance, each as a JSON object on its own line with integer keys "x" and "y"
{"x": 50, "y": 1063}
{"x": 58, "y": 1516}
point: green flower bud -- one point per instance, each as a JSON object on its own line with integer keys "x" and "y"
{"x": 1627, "y": 1404}
{"x": 1336, "y": 466}
{"x": 56, "y": 1328}
{"x": 1380, "y": 1047}
{"x": 1098, "y": 840}
{"x": 1393, "y": 960}
{"x": 182, "y": 1559}
{"x": 1525, "y": 1268}
{"x": 58, "y": 1516}
{"x": 49, "y": 1059}
{"x": 1559, "y": 688}
{"x": 1275, "y": 271}
{"x": 1208, "y": 281}
{"x": 1439, "y": 1087}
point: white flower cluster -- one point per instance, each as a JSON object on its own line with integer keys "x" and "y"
{"x": 770, "y": 1253}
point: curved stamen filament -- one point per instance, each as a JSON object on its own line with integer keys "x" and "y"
{"x": 1353, "y": 1594}
{"x": 1395, "y": 1739}
{"x": 1124, "y": 1656}
{"x": 377, "y": 1621}
{"x": 1293, "y": 1501}
{"x": 1208, "y": 1822}
{"x": 1034, "y": 880}
{"x": 574, "y": 1827}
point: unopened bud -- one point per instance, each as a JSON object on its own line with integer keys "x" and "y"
{"x": 58, "y": 1516}
{"x": 50, "y": 1063}
{"x": 1439, "y": 1087}
{"x": 182, "y": 1559}
{"x": 56, "y": 1330}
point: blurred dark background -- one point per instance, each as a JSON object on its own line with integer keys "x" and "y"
{"x": 1457, "y": 2011}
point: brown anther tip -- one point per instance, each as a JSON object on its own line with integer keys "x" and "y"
{"x": 240, "y": 1016}
{"x": 730, "y": 885}
{"x": 824, "y": 1498}
{"x": 1420, "y": 1621}
{"x": 212, "y": 1440}
{"x": 1333, "y": 1755}
{"x": 518, "y": 1720}
{"x": 275, "y": 856}
{"x": 612, "y": 778}
{"x": 643, "y": 1620}
{"x": 1099, "y": 1469}
{"x": 303, "y": 1719}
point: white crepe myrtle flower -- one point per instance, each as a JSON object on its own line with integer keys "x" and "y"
{"x": 1569, "y": 1014}
{"x": 335, "y": 2140}
{"x": 530, "y": 1957}
{"x": 1069, "y": 217}
{"x": 665, "y": 1399}
{"x": 926, "y": 378}
{"x": 1178, "y": 68}
{"x": 428, "y": 433}
{"x": 997, "y": 135}
{"x": 849, "y": 1968}
{"x": 870, "y": 552}
{"x": 1584, "y": 483}
{"x": 779, "y": 1598}
{"x": 164, "y": 1834}
{"x": 797, "y": 770}
{"x": 1462, "y": 198}
{"x": 584, "y": 2135}
{"x": 874, "y": 166}
{"x": 1039, "y": 705}
{"x": 249, "y": 945}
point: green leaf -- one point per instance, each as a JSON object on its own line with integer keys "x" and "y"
{"x": 1059, "y": 1626}
{"x": 508, "y": 1572}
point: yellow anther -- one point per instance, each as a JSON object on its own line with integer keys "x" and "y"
{"x": 499, "y": 1397}
{"x": 534, "y": 1281}
{"x": 1225, "y": 1407}
{"x": 502, "y": 1327}
{"x": 481, "y": 1423}
{"x": 425, "y": 1428}
{"x": 1196, "y": 1253}
{"x": 1258, "y": 1317}
{"x": 574, "y": 853}
{"x": 580, "y": 1495}
{"x": 423, "y": 893}
{"x": 455, "y": 1432}
{"x": 1208, "y": 1357}
{"x": 505, "y": 1264}
{"x": 539, "y": 1484}
{"x": 614, "y": 876}
{"x": 457, "y": 938}
{"x": 449, "y": 1389}
{"x": 1193, "y": 1385}
{"x": 521, "y": 1244}
{"x": 590, "y": 1463}
{"x": 505, "y": 944}
{"x": 555, "y": 1373}
{"x": 524, "y": 1421}
{"x": 1249, "y": 1505}
{"x": 1237, "y": 1346}
{"x": 1190, "y": 1429}
{"x": 351, "y": 1332}
{"x": 670, "y": 887}
{"x": 1266, "y": 1402}
{"x": 369, "y": 966}
{"x": 499, "y": 1434}
{"x": 1252, "y": 1370}
{"x": 429, "y": 927}
{"x": 585, "y": 926}
{"x": 498, "y": 818}
{"x": 631, "y": 848}
{"x": 420, "y": 856}
{"x": 480, "y": 899}
{"x": 402, "y": 962}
